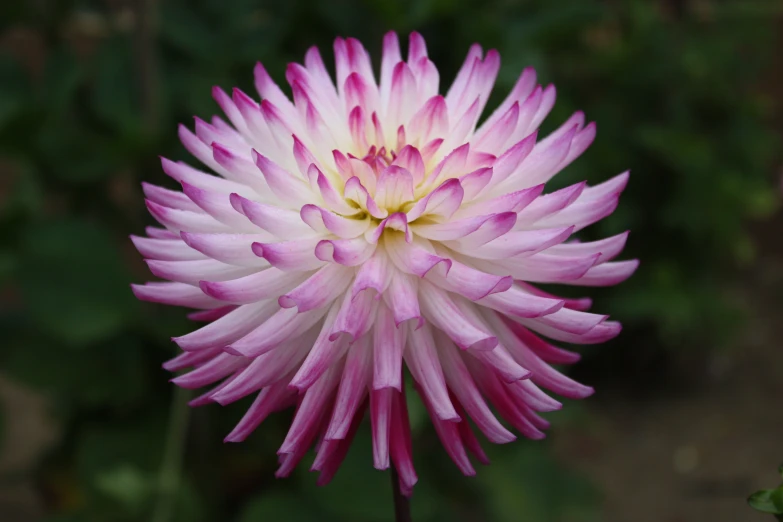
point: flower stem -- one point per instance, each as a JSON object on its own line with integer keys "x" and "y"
{"x": 402, "y": 504}
{"x": 170, "y": 470}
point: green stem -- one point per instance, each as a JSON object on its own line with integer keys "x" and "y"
{"x": 171, "y": 467}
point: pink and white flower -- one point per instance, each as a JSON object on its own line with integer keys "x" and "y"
{"x": 374, "y": 223}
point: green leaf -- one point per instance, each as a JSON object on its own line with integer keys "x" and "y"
{"x": 74, "y": 282}
{"x": 777, "y": 499}
{"x": 278, "y": 505}
{"x": 762, "y": 501}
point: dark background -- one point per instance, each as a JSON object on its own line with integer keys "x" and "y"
{"x": 687, "y": 419}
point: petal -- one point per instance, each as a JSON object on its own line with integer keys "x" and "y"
{"x": 285, "y": 186}
{"x": 441, "y": 202}
{"x": 169, "y": 198}
{"x": 266, "y": 369}
{"x": 549, "y": 204}
{"x": 280, "y": 222}
{"x": 513, "y": 243}
{"x": 265, "y": 284}
{"x": 397, "y": 221}
{"x": 191, "y": 272}
{"x": 517, "y": 302}
{"x": 608, "y": 248}
{"x": 429, "y": 122}
{"x": 233, "y": 249}
{"x": 165, "y": 249}
{"x": 355, "y": 379}
{"x": 543, "y": 374}
{"x": 410, "y": 159}
{"x": 519, "y": 93}
{"x": 496, "y": 226}
{"x": 421, "y": 357}
{"x": 355, "y": 317}
{"x": 500, "y": 132}
{"x": 455, "y": 318}
{"x": 452, "y": 166}
{"x": 402, "y": 298}
{"x": 297, "y": 255}
{"x": 285, "y": 324}
{"x": 228, "y": 328}
{"x": 380, "y": 418}
{"x": 219, "y": 367}
{"x": 320, "y": 289}
{"x": 175, "y": 294}
{"x": 508, "y": 162}
{"x": 395, "y": 187}
{"x": 176, "y": 220}
{"x": 322, "y": 355}
{"x": 510, "y": 202}
{"x": 354, "y": 190}
{"x": 462, "y": 385}
{"x": 375, "y": 273}
{"x": 269, "y": 399}
{"x": 455, "y": 229}
{"x": 469, "y": 282}
{"x": 308, "y": 415}
{"x": 391, "y": 57}
{"x": 607, "y": 274}
{"x": 388, "y": 344}
{"x": 413, "y": 258}
{"x": 400, "y": 444}
{"x": 348, "y": 252}
{"x": 325, "y": 222}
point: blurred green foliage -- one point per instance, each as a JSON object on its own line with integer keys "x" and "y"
{"x": 90, "y": 95}
{"x": 769, "y": 500}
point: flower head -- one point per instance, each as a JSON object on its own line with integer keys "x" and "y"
{"x": 370, "y": 226}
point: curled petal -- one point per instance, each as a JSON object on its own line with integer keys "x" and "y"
{"x": 233, "y": 249}
{"x": 325, "y": 222}
{"x": 165, "y": 249}
{"x": 265, "y": 284}
{"x": 413, "y": 258}
{"x": 280, "y": 222}
{"x": 176, "y": 294}
{"x": 441, "y": 202}
{"x": 298, "y": 255}
{"x": 323, "y": 287}
{"x": 410, "y": 159}
{"x": 348, "y": 252}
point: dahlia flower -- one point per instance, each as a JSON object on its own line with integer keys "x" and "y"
{"x": 365, "y": 224}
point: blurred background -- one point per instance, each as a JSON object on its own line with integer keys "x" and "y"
{"x": 687, "y": 419}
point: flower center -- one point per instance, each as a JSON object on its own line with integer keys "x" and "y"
{"x": 379, "y": 158}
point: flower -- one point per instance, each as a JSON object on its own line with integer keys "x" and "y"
{"x": 368, "y": 224}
